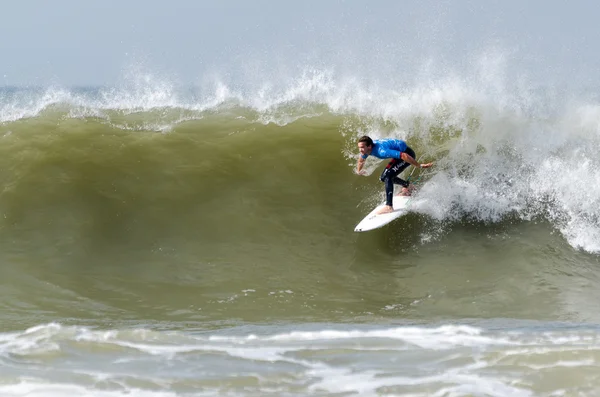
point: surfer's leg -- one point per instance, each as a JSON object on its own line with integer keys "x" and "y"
{"x": 394, "y": 170}
{"x": 400, "y": 181}
{"x": 390, "y": 176}
{"x": 400, "y": 167}
{"x": 389, "y": 192}
{"x": 397, "y": 170}
{"x": 387, "y": 176}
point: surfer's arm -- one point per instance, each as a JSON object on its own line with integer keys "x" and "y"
{"x": 408, "y": 158}
{"x": 361, "y": 163}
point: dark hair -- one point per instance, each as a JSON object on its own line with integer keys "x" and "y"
{"x": 366, "y": 140}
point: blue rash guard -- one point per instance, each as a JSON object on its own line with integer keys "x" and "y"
{"x": 387, "y": 148}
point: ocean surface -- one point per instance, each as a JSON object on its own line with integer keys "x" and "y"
{"x": 159, "y": 240}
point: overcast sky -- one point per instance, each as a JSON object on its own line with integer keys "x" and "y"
{"x": 97, "y": 42}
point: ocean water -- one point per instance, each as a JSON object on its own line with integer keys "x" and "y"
{"x": 159, "y": 240}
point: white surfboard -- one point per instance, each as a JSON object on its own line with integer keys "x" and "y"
{"x": 374, "y": 220}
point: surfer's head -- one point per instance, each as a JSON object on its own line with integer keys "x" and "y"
{"x": 365, "y": 145}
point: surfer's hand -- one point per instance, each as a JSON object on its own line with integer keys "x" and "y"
{"x": 361, "y": 172}
{"x": 426, "y": 165}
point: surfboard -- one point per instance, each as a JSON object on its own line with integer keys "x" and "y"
{"x": 375, "y": 221}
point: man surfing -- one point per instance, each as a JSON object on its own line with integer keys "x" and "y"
{"x": 402, "y": 156}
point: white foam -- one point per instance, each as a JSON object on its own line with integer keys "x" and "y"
{"x": 30, "y": 103}
{"x": 444, "y": 360}
{"x": 567, "y": 364}
{"x": 445, "y": 337}
{"x": 454, "y": 382}
{"x": 35, "y": 388}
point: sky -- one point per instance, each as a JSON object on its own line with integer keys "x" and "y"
{"x": 102, "y": 42}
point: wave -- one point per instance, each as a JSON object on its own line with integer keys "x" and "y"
{"x": 501, "y": 150}
{"x": 446, "y": 359}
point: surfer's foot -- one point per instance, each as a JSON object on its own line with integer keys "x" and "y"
{"x": 385, "y": 210}
{"x": 407, "y": 191}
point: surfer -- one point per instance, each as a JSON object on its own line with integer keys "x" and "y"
{"x": 402, "y": 156}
